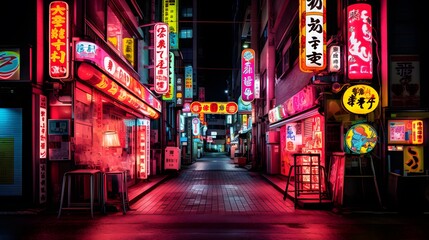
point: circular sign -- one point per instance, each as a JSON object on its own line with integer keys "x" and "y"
{"x": 360, "y": 99}
{"x": 361, "y": 138}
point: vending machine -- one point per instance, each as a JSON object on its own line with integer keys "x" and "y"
{"x": 405, "y": 147}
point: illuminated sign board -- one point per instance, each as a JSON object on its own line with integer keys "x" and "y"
{"x": 188, "y": 82}
{"x": 88, "y": 73}
{"x": 360, "y": 99}
{"x": 299, "y": 102}
{"x": 334, "y": 58}
{"x": 128, "y": 50}
{"x": 179, "y": 92}
{"x": 91, "y": 52}
{"x": 401, "y": 131}
{"x": 413, "y": 159}
{"x": 169, "y": 96}
{"x": 161, "y": 58}
{"x": 248, "y": 75}
{"x": 59, "y": 40}
{"x": 312, "y": 39}
{"x": 195, "y": 126}
{"x": 361, "y": 138}
{"x": 43, "y": 127}
{"x": 214, "y": 107}
{"x": 10, "y": 64}
{"x": 170, "y": 16}
{"x": 359, "y": 41}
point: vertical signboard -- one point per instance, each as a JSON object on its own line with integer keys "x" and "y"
{"x": 179, "y": 92}
{"x": 359, "y": 41}
{"x": 170, "y": 16}
{"x": 248, "y": 75}
{"x": 188, "y": 82}
{"x": 43, "y": 148}
{"x": 312, "y": 39}
{"x": 143, "y": 148}
{"x": 170, "y": 94}
{"x": 59, "y": 40}
{"x": 161, "y": 58}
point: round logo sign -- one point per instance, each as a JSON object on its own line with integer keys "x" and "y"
{"x": 361, "y": 138}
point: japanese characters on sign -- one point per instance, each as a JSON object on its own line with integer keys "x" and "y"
{"x": 188, "y": 82}
{"x": 360, "y": 99}
{"x": 214, "y": 107}
{"x": 59, "y": 40}
{"x": 248, "y": 75}
{"x": 359, "y": 41}
{"x": 169, "y": 96}
{"x": 170, "y": 16}
{"x": 43, "y": 127}
{"x": 91, "y": 52}
{"x": 179, "y": 92}
{"x": 312, "y": 39}
{"x": 161, "y": 59}
{"x": 334, "y": 58}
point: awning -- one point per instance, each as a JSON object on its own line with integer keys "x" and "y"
{"x": 306, "y": 114}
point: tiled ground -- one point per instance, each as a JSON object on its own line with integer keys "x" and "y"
{"x": 213, "y": 186}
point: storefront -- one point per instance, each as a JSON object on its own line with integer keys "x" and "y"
{"x": 105, "y": 121}
{"x": 301, "y": 130}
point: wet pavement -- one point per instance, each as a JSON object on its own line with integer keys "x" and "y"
{"x": 213, "y": 198}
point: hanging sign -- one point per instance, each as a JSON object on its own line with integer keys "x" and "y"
{"x": 360, "y": 99}
{"x": 361, "y": 138}
{"x": 161, "y": 58}
{"x": 312, "y": 35}
{"x": 59, "y": 40}
{"x": 359, "y": 41}
{"x": 214, "y": 107}
{"x": 248, "y": 75}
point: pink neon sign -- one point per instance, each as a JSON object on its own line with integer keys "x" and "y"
{"x": 359, "y": 45}
{"x": 248, "y": 75}
{"x": 161, "y": 59}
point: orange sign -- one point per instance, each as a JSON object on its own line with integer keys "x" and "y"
{"x": 214, "y": 107}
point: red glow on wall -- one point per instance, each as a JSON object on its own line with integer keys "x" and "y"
{"x": 359, "y": 41}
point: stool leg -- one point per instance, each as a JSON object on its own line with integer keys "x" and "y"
{"x": 92, "y": 195}
{"x": 123, "y": 192}
{"x": 287, "y": 183}
{"x": 62, "y": 196}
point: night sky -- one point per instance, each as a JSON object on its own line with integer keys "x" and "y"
{"x": 215, "y": 41}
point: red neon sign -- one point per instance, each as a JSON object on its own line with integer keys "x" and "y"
{"x": 59, "y": 40}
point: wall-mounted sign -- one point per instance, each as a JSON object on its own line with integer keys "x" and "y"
{"x": 179, "y": 92}
{"x": 43, "y": 124}
{"x": 248, "y": 75}
{"x": 299, "y": 102}
{"x": 214, "y": 107}
{"x": 360, "y": 99}
{"x": 188, "y": 83}
{"x": 413, "y": 159}
{"x": 195, "y": 126}
{"x": 312, "y": 35}
{"x": 361, "y": 138}
{"x": 10, "y": 64}
{"x": 59, "y": 41}
{"x": 88, "y": 73}
{"x": 334, "y": 58}
{"x": 403, "y": 131}
{"x": 128, "y": 50}
{"x": 161, "y": 58}
{"x": 359, "y": 41}
{"x": 169, "y": 96}
{"x": 404, "y": 75}
{"x": 91, "y": 52}
{"x": 170, "y": 16}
